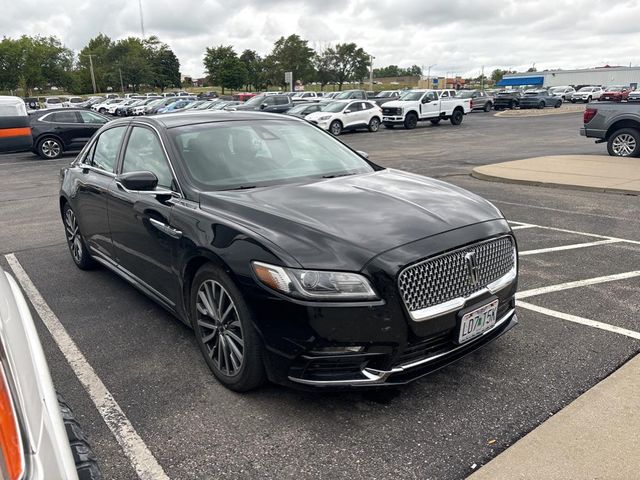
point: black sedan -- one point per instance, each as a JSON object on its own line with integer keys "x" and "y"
{"x": 293, "y": 257}
{"x": 61, "y": 130}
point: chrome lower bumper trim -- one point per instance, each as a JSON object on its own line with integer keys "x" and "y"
{"x": 376, "y": 377}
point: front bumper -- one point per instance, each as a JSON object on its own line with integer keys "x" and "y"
{"x": 393, "y": 119}
{"x": 324, "y": 124}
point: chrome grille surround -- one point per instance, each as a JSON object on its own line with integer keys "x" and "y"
{"x": 439, "y": 285}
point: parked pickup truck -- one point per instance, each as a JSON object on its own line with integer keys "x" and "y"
{"x": 420, "y": 105}
{"x": 616, "y": 123}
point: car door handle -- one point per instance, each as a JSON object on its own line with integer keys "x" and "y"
{"x": 167, "y": 229}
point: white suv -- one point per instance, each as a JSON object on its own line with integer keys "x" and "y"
{"x": 347, "y": 115}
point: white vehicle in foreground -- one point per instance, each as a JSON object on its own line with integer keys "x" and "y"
{"x": 587, "y": 94}
{"x": 342, "y": 115}
{"x": 420, "y": 105}
{"x": 39, "y": 435}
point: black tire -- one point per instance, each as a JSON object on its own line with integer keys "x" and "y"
{"x": 557, "y": 105}
{"x": 588, "y": 99}
{"x": 512, "y": 105}
{"x": 102, "y": 110}
{"x": 83, "y": 455}
{"x": 335, "y": 127}
{"x": 487, "y": 107}
{"x": 541, "y": 105}
{"x": 75, "y": 240}
{"x": 410, "y": 121}
{"x": 456, "y": 117}
{"x": 573, "y": 101}
{"x": 624, "y": 143}
{"x": 435, "y": 121}
{"x": 374, "y": 124}
{"x": 250, "y": 374}
{"x": 389, "y": 125}
{"x": 49, "y": 148}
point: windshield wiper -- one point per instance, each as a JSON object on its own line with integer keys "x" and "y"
{"x": 242, "y": 187}
{"x": 338, "y": 175}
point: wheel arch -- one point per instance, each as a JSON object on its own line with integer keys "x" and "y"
{"x": 43, "y": 136}
{"x": 619, "y": 124}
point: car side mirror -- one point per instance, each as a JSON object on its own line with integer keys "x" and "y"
{"x": 138, "y": 181}
{"x": 362, "y": 154}
{"x": 426, "y": 100}
{"x": 347, "y": 111}
{"x": 263, "y": 106}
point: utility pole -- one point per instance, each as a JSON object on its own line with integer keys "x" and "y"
{"x": 141, "y": 19}
{"x": 371, "y": 58}
{"x": 482, "y": 79}
{"x": 121, "y": 84}
{"x": 93, "y": 77}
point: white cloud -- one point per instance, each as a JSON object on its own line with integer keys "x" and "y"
{"x": 457, "y": 35}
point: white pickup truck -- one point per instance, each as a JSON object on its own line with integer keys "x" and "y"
{"x": 418, "y": 105}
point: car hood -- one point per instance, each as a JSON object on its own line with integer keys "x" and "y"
{"x": 317, "y": 115}
{"x": 343, "y": 222}
{"x": 398, "y": 103}
{"x": 245, "y": 107}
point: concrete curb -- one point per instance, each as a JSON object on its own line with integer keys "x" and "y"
{"x": 589, "y": 173}
{"x": 597, "y": 436}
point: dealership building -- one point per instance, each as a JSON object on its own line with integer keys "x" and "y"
{"x": 589, "y": 76}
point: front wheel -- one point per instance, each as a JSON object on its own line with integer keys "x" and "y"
{"x": 374, "y": 124}
{"x": 541, "y": 105}
{"x": 487, "y": 107}
{"x": 76, "y": 243}
{"x": 624, "y": 143}
{"x": 410, "y": 121}
{"x": 513, "y": 105}
{"x": 588, "y": 99}
{"x": 335, "y": 127}
{"x": 224, "y": 330}
{"x": 456, "y": 117}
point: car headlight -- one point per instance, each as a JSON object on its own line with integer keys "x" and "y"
{"x": 324, "y": 117}
{"x": 314, "y": 284}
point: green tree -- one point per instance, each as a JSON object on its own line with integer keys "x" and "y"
{"x": 233, "y": 73}
{"x": 350, "y": 62}
{"x": 213, "y": 61}
{"x": 98, "y": 47}
{"x": 253, "y": 65}
{"x": 324, "y": 65}
{"x": 165, "y": 66}
{"x": 291, "y": 54}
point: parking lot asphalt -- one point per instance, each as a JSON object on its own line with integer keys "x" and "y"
{"x": 443, "y": 426}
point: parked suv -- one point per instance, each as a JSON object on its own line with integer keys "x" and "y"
{"x": 266, "y": 103}
{"x": 586, "y": 94}
{"x": 479, "y": 100}
{"x": 347, "y": 115}
{"x": 565, "y": 93}
{"x": 616, "y": 93}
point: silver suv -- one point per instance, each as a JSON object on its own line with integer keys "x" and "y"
{"x": 40, "y": 436}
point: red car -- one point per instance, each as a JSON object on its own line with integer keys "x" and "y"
{"x": 243, "y": 97}
{"x": 615, "y": 93}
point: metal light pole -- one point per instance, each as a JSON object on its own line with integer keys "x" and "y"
{"x": 429, "y": 75}
{"x": 371, "y": 58}
{"x": 482, "y": 79}
{"x": 141, "y": 19}
{"x": 121, "y": 84}
{"x": 93, "y": 77}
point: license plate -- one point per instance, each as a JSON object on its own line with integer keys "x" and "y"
{"x": 478, "y": 321}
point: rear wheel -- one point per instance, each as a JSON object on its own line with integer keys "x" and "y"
{"x": 435, "y": 121}
{"x": 410, "y": 121}
{"x": 77, "y": 246}
{"x": 541, "y": 105}
{"x": 49, "y": 148}
{"x": 335, "y": 127}
{"x": 83, "y": 455}
{"x": 456, "y": 117}
{"x": 557, "y": 105}
{"x": 374, "y": 124}
{"x": 224, "y": 330}
{"x": 624, "y": 143}
{"x": 487, "y": 107}
{"x": 512, "y": 105}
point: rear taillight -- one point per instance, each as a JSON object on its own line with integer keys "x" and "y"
{"x": 588, "y": 115}
{"x": 11, "y": 452}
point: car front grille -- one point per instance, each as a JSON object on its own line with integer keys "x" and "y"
{"x": 390, "y": 111}
{"x": 447, "y": 277}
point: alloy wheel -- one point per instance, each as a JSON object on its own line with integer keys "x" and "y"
{"x": 624, "y": 145}
{"x": 73, "y": 235}
{"x": 219, "y": 327}
{"x": 51, "y": 148}
{"x": 374, "y": 124}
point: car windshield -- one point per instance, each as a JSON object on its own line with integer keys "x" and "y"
{"x": 411, "y": 95}
{"x": 343, "y": 95}
{"x": 53, "y": 100}
{"x": 586, "y": 89}
{"x": 465, "y": 94}
{"x": 557, "y": 90}
{"x": 334, "y": 107}
{"x": 255, "y": 100}
{"x": 383, "y": 94}
{"x": 238, "y": 154}
{"x": 615, "y": 88}
{"x": 76, "y": 100}
{"x": 298, "y": 109}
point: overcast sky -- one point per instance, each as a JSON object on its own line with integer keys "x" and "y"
{"x": 456, "y": 35}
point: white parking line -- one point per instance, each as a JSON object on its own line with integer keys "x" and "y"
{"x": 572, "y": 212}
{"x": 521, "y": 227}
{"x": 567, "y": 247}
{"x": 586, "y": 234}
{"x": 141, "y": 458}
{"x": 580, "y": 320}
{"x": 578, "y": 283}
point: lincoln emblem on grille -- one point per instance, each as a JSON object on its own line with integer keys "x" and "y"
{"x": 472, "y": 268}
